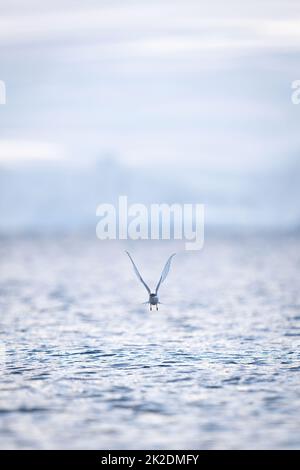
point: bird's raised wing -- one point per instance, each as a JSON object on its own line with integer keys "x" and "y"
{"x": 164, "y": 273}
{"x": 138, "y": 274}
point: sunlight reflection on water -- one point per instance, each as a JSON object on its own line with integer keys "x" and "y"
{"x": 87, "y": 366}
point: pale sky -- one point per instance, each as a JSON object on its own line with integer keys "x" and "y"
{"x": 204, "y": 84}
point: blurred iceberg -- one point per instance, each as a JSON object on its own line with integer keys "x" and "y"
{"x": 52, "y": 197}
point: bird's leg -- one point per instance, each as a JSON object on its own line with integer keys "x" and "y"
{"x": 156, "y": 306}
{"x": 150, "y": 308}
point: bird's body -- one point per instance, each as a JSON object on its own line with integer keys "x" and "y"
{"x": 153, "y": 296}
{"x": 153, "y": 300}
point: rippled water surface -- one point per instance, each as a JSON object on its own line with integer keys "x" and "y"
{"x": 85, "y": 365}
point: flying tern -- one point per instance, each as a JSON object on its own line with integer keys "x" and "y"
{"x": 153, "y": 296}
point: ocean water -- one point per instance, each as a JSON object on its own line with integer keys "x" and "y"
{"x": 85, "y": 365}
